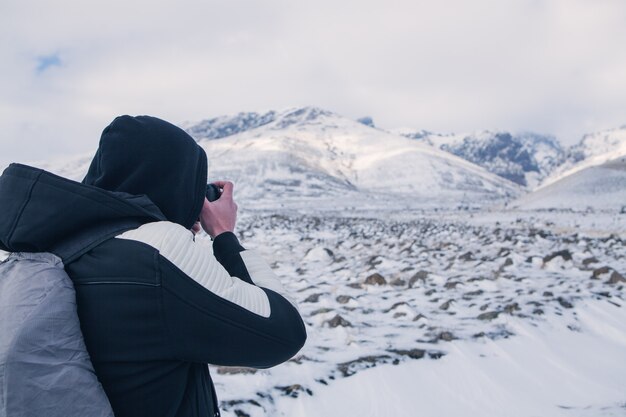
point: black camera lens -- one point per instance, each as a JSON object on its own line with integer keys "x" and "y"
{"x": 212, "y": 192}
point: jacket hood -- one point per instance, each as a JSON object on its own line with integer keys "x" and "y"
{"x": 149, "y": 156}
{"x": 39, "y": 209}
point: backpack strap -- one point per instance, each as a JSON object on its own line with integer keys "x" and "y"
{"x": 82, "y": 242}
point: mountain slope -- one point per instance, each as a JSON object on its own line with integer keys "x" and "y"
{"x": 599, "y": 187}
{"x": 525, "y": 158}
{"x": 312, "y": 153}
{"x": 593, "y": 149}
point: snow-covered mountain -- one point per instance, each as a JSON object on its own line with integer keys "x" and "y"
{"x": 597, "y": 187}
{"x": 592, "y": 176}
{"x": 594, "y": 149}
{"x": 220, "y": 127}
{"x": 310, "y": 157}
{"x": 525, "y": 158}
{"x": 296, "y": 155}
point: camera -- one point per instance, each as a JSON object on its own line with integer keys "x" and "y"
{"x": 213, "y": 192}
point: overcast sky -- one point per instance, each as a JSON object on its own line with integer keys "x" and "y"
{"x": 69, "y": 67}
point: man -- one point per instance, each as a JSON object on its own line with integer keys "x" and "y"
{"x": 155, "y": 304}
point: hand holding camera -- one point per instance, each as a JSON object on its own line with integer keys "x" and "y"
{"x": 219, "y": 212}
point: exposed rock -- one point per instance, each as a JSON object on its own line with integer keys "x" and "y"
{"x": 343, "y": 299}
{"x": 356, "y": 285}
{"x": 564, "y": 303}
{"x": 313, "y": 298}
{"x": 375, "y": 279}
{"x": 470, "y": 294}
{"x": 419, "y": 316}
{"x": 600, "y": 271}
{"x": 294, "y": 390}
{"x": 503, "y": 252}
{"x": 300, "y": 359}
{"x": 591, "y": 260}
{"x": 490, "y": 315}
{"x": 467, "y": 256}
{"x": 374, "y": 260}
{"x": 399, "y": 314}
{"x": 310, "y": 287}
{"x": 446, "y": 305}
{"x": 229, "y": 404}
{"x": 338, "y": 321}
{"x": 412, "y": 353}
{"x": 351, "y": 367}
{"x": 419, "y": 275}
{"x": 616, "y": 277}
{"x": 396, "y": 305}
{"x": 446, "y": 336}
{"x": 499, "y": 333}
{"x": 398, "y": 282}
{"x": 511, "y": 308}
{"x": 235, "y": 370}
{"x": 548, "y": 294}
{"x": 321, "y": 311}
{"x": 452, "y": 284}
{"x": 565, "y": 254}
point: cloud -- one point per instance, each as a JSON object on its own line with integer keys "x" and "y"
{"x": 452, "y": 65}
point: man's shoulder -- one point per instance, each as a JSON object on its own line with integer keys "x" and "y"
{"x": 129, "y": 258}
{"x": 158, "y": 234}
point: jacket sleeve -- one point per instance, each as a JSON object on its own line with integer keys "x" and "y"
{"x": 224, "y": 309}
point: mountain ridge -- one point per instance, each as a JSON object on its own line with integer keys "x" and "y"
{"x": 313, "y": 153}
{"x": 526, "y": 158}
{"x": 357, "y": 156}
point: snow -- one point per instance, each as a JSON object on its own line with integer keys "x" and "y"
{"x": 313, "y": 153}
{"x": 524, "y": 158}
{"x": 593, "y": 150}
{"x": 553, "y": 343}
{"x": 545, "y": 370}
{"x": 599, "y": 187}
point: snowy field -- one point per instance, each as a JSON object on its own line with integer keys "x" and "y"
{"x": 485, "y": 313}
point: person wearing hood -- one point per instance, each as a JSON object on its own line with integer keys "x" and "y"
{"x": 155, "y": 304}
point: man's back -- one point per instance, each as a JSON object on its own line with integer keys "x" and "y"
{"x": 119, "y": 297}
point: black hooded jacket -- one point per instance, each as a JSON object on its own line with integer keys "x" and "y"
{"x": 155, "y": 305}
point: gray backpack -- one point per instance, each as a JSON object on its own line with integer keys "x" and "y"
{"x": 45, "y": 369}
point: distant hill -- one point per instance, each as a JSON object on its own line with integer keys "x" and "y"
{"x": 525, "y": 159}
{"x": 308, "y": 152}
{"x": 593, "y": 149}
{"x": 306, "y": 156}
{"x": 597, "y": 187}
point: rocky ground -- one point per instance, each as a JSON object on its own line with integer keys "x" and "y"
{"x": 378, "y": 290}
